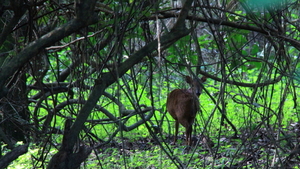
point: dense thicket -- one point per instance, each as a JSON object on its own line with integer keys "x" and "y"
{"x": 77, "y": 75}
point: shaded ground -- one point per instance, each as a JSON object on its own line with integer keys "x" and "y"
{"x": 258, "y": 148}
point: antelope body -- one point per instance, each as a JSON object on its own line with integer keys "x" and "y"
{"x": 183, "y": 105}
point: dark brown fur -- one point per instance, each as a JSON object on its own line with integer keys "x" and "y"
{"x": 183, "y": 105}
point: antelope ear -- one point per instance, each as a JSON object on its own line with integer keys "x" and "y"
{"x": 203, "y": 79}
{"x": 188, "y": 79}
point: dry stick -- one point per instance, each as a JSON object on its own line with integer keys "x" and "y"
{"x": 12, "y": 155}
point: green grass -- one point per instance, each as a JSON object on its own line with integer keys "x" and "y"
{"x": 250, "y": 120}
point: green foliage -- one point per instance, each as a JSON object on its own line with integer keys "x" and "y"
{"x": 251, "y": 46}
{"x": 28, "y": 160}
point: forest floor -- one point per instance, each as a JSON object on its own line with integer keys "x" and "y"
{"x": 258, "y": 148}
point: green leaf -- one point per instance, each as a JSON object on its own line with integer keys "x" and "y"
{"x": 255, "y": 49}
{"x": 256, "y": 64}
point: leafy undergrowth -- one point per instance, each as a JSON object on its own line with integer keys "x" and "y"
{"x": 258, "y": 148}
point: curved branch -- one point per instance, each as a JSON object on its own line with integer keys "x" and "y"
{"x": 124, "y": 112}
{"x": 19, "y": 10}
{"x": 14, "y": 63}
{"x": 266, "y": 83}
{"x": 106, "y": 79}
{"x": 266, "y": 30}
{"x": 129, "y": 128}
{"x": 12, "y": 155}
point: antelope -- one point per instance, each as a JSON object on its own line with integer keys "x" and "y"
{"x": 183, "y": 105}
